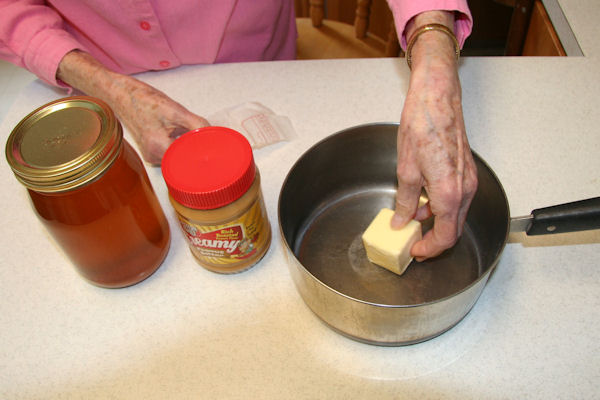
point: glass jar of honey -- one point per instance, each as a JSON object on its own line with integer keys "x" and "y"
{"x": 214, "y": 187}
{"x": 90, "y": 189}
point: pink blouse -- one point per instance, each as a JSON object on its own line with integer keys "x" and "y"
{"x": 133, "y": 36}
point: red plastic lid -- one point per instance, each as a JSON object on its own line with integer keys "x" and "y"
{"x": 208, "y": 167}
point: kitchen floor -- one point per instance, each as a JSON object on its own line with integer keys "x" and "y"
{"x": 12, "y": 80}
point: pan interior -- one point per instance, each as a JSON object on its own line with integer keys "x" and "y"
{"x": 329, "y": 246}
{"x": 334, "y": 191}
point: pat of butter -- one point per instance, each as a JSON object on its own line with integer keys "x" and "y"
{"x": 387, "y": 247}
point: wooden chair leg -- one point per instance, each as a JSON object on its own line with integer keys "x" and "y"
{"x": 392, "y": 46}
{"x": 361, "y": 23}
{"x": 317, "y": 12}
{"x": 518, "y": 27}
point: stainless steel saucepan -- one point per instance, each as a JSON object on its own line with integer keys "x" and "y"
{"x": 329, "y": 198}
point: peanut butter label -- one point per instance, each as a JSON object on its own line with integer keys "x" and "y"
{"x": 229, "y": 243}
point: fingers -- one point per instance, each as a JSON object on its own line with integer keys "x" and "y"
{"x": 450, "y": 196}
{"x": 423, "y": 212}
{"x": 442, "y": 236}
{"x": 407, "y": 199}
{"x": 450, "y": 204}
{"x": 192, "y": 121}
{"x": 154, "y": 144}
{"x": 153, "y": 147}
{"x": 470, "y": 188}
{"x": 447, "y": 228}
{"x": 445, "y": 199}
{"x": 409, "y": 183}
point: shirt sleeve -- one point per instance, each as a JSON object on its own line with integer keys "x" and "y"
{"x": 404, "y": 10}
{"x": 32, "y": 36}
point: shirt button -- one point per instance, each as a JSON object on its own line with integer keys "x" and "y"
{"x": 165, "y": 64}
{"x": 145, "y": 25}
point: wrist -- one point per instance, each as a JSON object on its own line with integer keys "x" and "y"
{"x": 431, "y": 37}
{"x": 83, "y": 72}
{"x": 445, "y": 18}
{"x": 433, "y": 49}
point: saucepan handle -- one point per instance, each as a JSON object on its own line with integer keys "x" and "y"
{"x": 569, "y": 217}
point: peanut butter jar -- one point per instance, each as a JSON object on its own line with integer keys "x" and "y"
{"x": 214, "y": 187}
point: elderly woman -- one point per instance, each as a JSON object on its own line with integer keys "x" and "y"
{"x": 94, "y": 46}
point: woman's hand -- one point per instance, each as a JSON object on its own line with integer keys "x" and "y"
{"x": 433, "y": 150}
{"x": 153, "y": 119}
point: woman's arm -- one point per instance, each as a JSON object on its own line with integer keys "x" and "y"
{"x": 33, "y": 36}
{"x": 433, "y": 150}
{"x": 153, "y": 119}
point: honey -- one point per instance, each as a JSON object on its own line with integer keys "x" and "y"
{"x": 90, "y": 189}
{"x": 214, "y": 187}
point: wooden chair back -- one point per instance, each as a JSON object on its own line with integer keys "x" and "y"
{"x": 345, "y": 29}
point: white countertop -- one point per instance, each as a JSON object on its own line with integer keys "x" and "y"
{"x": 189, "y": 333}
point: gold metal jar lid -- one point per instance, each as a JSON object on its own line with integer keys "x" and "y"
{"x": 64, "y": 144}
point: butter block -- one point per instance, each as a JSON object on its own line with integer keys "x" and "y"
{"x": 387, "y": 247}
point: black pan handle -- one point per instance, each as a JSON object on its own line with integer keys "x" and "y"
{"x": 569, "y": 217}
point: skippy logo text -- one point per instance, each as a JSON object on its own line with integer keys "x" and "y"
{"x": 225, "y": 239}
{"x": 228, "y": 245}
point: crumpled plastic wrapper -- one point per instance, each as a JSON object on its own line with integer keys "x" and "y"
{"x": 259, "y": 124}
